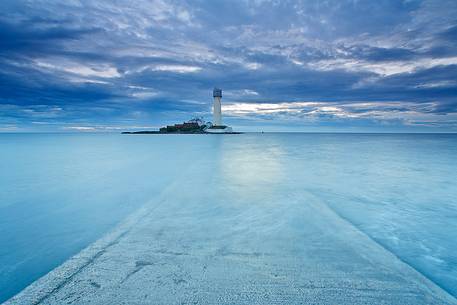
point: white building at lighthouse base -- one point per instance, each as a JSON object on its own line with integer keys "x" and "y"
{"x": 219, "y": 129}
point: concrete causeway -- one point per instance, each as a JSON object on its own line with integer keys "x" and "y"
{"x": 250, "y": 248}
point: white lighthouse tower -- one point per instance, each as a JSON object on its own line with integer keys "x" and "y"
{"x": 216, "y": 126}
{"x": 217, "y": 113}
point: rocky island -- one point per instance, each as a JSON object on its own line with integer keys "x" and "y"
{"x": 190, "y": 127}
{"x": 194, "y": 126}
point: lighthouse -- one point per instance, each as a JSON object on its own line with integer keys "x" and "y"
{"x": 217, "y": 113}
{"x": 216, "y": 126}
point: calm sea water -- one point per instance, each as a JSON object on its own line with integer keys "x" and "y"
{"x": 60, "y": 192}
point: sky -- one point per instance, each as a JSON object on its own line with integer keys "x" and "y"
{"x": 317, "y": 66}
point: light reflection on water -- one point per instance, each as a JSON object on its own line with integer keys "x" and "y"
{"x": 253, "y": 165}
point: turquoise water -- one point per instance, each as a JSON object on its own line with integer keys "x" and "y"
{"x": 60, "y": 192}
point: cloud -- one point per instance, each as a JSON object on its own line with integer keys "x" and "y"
{"x": 80, "y": 128}
{"x": 101, "y": 71}
{"x": 386, "y": 68}
{"x": 438, "y": 84}
{"x": 176, "y": 68}
{"x": 145, "y": 63}
{"x": 409, "y": 113}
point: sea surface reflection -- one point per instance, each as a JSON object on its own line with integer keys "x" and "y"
{"x": 60, "y": 192}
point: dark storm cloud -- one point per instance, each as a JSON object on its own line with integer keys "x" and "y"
{"x": 369, "y": 53}
{"x": 147, "y": 63}
{"x": 23, "y": 38}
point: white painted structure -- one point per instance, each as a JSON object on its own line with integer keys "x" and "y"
{"x": 219, "y": 129}
{"x": 217, "y": 113}
{"x": 216, "y": 126}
